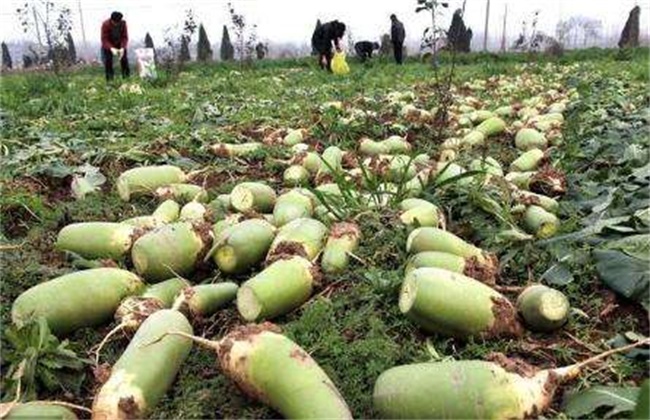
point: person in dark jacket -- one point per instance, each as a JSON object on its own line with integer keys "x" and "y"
{"x": 322, "y": 39}
{"x": 397, "y": 35}
{"x": 115, "y": 38}
{"x": 364, "y": 49}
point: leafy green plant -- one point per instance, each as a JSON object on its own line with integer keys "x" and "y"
{"x": 38, "y": 361}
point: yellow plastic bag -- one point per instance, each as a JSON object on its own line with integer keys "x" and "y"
{"x": 339, "y": 65}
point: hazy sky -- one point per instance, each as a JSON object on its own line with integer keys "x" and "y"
{"x": 293, "y": 20}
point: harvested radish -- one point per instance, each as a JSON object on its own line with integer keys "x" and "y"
{"x": 240, "y": 247}
{"x": 145, "y": 371}
{"x": 472, "y": 389}
{"x": 343, "y": 240}
{"x": 146, "y": 179}
{"x": 417, "y": 213}
{"x": 304, "y": 237}
{"x": 96, "y": 240}
{"x": 540, "y": 222}
{"x": 451, "y": 262}
{"x": 135, "y": 309}
{"x": 278, "y": 289}
{"x": 242, "y": 150}
{"x": 193, "y": 212}
{"x": 435, "y": 239}
{"x": 172, "y": 250}
{"x": 293, "y": 205}
{"x": 205, "y": 299}
{"x": 56, "y": 410}
{"x": 528, "y": 161}
{"x": 542, "y": 308}
{"x": 274, "y": 370}
{"x": 448, "y": 303}
{"x": 296, "y": 175}
{"x": 183, "y": 193}
{"x": 76, "y": 300}
{"x": 252, "y": 196}
{"x": 529, "y": 138}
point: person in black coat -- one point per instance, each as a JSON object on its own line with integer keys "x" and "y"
{"x": 397, "y": 35}
{"x": 322, "y": 39}
{"x": 364, "y": 49}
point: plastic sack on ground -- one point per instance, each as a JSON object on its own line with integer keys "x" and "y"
{"x": 339, "y": 65}
{"x": 146, "y": 63}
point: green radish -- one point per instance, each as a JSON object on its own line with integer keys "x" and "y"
{"x": 540, "y": 222}
{"x": 308, "y": 160}
{"x": 446, "y": 171}
{"x": 480, "y": 116}
{"x": 415, "y": 186}
{"x": 146, "y": 179}
{"x": 133, "y": 310}
{"x": 224, "y": 201}
{"x": 528, "y": 198}
{"x": 219, "y": 228}
{"x": 472, "y": 389}
{"x": 296, "y": 175}
{"x": 473, "y": 138}
{"x": 242, "y": 150}
{"x": 202, "y": 301}
{"x": 370, "y": 147}
{"x": 342, "y": 241}
{"x": 143, "y": 223}
{"x": 95, "y": 240}
{"x": 76, "y": 300}
{"x": 172, "y": 250}
{"x": 183, "y": 193}
{"x": 504, "y": 111}
{"x": 421, "y": 160}
{"x": 451, "y": 304}
{"x": 293, "y": 137}
{"x": 303, "y": 237}
{"x": 193, "y": 212}
{"x": 167, "y": 212}
{"x": 54, "y": 410}
{"x": 491, "y": 126}
{"x": 300, "y": 148}
{"x": 400, "y": 168}
{"x": 451, "y": 262}
{"x": 252, "y": 196}
{"x": 423, "y": 214}
{"x": 542, "y": 308}
{"x": 274, "y": 370}
{"x": 453, "y": 143}
{"x": 332, "y": 158}
{"x": 520, "y": 179}
{"x": 278, "y": 289}
{"x": 145, "y": 371}
{"x": 396, "y": 144}
{"x": 529, "y": 138}
{"x": 435, "y": 239}
{"x": 292, "y": 205}
{"x": 528, "y": 161}
{"x": 489, "y": 165}
{"x": 242, "y": 246}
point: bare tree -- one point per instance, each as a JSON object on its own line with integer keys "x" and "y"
{"x": 245, "y": 36}
{"x": 432, "y": 34}
{"x": 578, "y": 30}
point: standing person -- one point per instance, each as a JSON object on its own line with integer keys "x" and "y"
{"x": 397, "y": 35}
{"x": 115, "y": 37}
{"x": 322, "y": 39}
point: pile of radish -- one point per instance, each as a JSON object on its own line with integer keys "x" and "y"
{"x": 283, "y": 240}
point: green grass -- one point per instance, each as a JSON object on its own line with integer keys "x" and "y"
{"x": 51, "y": 125}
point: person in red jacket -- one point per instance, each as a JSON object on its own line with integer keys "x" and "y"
{"x": 115, "y": 38}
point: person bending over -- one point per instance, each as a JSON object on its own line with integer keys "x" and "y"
{"x": 325, "y": 36}
{"x": 364, "y": 49}
{"x": 115, "y": 38}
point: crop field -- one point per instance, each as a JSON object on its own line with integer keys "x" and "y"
{"x": 396, "y": 216}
